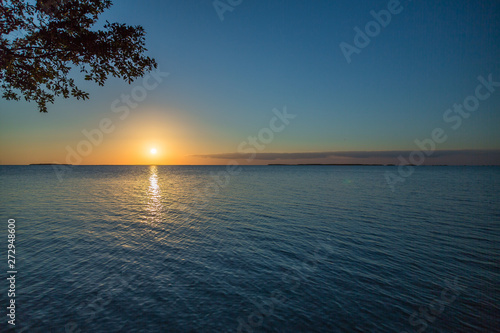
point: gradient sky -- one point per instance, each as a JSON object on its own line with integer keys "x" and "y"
{"x": 226, "y": 77}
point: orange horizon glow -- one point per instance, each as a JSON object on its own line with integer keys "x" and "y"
{"x": 156, "y": 135}
{"x": 151, "y": 135}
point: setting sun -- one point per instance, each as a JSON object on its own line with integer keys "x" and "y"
{"x": 153, "y": 151}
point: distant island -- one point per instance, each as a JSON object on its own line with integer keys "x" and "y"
{"x": 335, "y": 164}
{"x": 414, "y": 165}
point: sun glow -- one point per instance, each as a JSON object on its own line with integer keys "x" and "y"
{"x": 153, "y": 151}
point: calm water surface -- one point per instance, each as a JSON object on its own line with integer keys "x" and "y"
{"x": 271, "y": 249}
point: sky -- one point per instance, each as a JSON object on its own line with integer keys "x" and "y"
{"x": 284, "y": 82}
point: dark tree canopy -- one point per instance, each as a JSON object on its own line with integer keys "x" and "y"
{"x": 41, "y": 43}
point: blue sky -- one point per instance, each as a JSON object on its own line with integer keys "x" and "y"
{"x": 227, "y": 76}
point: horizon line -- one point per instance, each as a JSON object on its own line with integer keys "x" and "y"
{"x": 269, "y": 164}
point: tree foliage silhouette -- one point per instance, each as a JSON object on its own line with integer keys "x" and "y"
{"x": 40, "y": 43}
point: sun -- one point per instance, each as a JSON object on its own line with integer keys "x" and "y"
{"x": 153, "y": 151}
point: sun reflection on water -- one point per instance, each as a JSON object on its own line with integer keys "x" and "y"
{"x": 155, "y": 207}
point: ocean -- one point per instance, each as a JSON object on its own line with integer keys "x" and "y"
{"x": 251, "y": 249}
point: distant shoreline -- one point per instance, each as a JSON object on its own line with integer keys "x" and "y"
{"x": 333, "y": 164}
{"x": 337, "y": 164}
